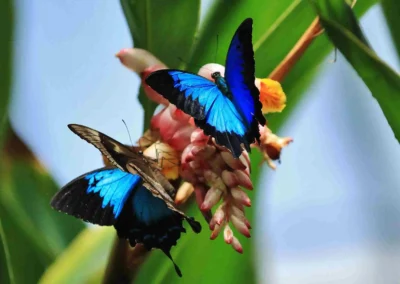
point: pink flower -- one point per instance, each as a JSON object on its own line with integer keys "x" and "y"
{"x": 217, "y": 177}
{"x": 173, "y": 126}
{"x": 143, "y": 63}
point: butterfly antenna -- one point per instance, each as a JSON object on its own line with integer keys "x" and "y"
{"x": 216, "y": 51}
{"x": 198, "y": 66}
{"x": 130, "y": 138}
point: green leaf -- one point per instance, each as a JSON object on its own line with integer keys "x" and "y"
{"x": 343, "y": 30}
{"x": 83, "y": 258}
{"x": 6, "y": 36}
{"x": 165, "y": 28}
{"x": 391, "y": 9}
{"x": 31, "y": 228}
{"x": 5, "y": 260}
{"x": 21, "y": 253}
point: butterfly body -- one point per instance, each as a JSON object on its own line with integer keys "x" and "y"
{"x": 228, "y": 109}
{"x": 132, "y": 196}
{"x": 221, "y": 84}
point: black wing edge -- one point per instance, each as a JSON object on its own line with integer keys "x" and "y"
{"x": 73, "y": 200}
{"x": 231, "y": 141}
{"x": 161, "y": 82}
{"x": 244, "y": 33}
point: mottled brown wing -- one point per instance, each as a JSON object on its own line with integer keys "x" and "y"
{"x": 117, "y": 153}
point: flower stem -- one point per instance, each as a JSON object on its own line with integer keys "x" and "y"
{"x": 314, "y": 30}
{"x": 124, "y": 262}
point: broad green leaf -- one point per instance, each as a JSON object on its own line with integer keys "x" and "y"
{"x": 391, "y": 9}
{"x": 166, "y": 28}
{"x": 27, "y": 199}
{"x": 31, "y": 228}
{"x": 25, "y": 261}
{"x": 83, "y": 258}
{"x": 7, "y": 275}
{"x": 342, "y": 29}
{"x": 6, "y": 36}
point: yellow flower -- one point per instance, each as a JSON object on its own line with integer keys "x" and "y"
{"x": 167, "y": 158}
{"x": 272, "y": 97}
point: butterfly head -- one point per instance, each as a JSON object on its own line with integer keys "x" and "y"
{"x": 216, "y": 75}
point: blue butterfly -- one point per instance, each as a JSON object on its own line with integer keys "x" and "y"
{"x": 228, "y": 109}
{"x": 133, "y": 196}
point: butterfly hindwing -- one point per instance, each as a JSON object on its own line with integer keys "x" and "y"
{"x": 98, "y": 196}
{"x": 240, "y": 77}
{"x": 146, "y": 219}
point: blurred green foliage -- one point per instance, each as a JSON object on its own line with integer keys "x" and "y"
{"x": 36, "y": 239}
{"x": 6, "y": 36}
{"x": 342, "y": 27}
{"x": 154, "y": 25}
{"x": 33, "y": 233}
{"x": 391, "y": 9}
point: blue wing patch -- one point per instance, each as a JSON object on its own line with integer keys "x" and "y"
{"x": 97, "y": 197}
{"x": 113, "y": 186}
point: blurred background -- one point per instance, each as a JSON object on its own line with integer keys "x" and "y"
{"x": 330, "y": 212}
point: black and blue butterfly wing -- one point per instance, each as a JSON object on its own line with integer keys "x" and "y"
{"x": 213, "y": 112}
{"x": 98, "y": 196}
{"x": 240, "y": 78}
{"x": 109, "y": 196}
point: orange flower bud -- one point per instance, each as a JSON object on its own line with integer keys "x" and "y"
{"x": 272, "y": 97}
